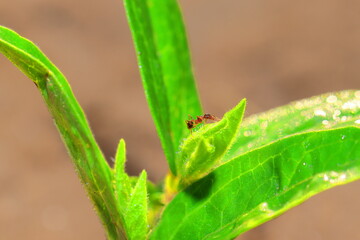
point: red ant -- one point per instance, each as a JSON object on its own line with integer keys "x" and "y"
{"x": 192, "y": 123}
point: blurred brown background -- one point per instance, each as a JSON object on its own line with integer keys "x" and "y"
{"x": 268, "y": 51}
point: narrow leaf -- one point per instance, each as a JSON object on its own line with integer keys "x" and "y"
{"x": 122, "y": 181}
{"x": 136, "y": 215}
{"x": 261, "y": 184}
{"x": 203, "y": 150}
{"x": 71, "y": 122}
{"x": 164, "y": 61}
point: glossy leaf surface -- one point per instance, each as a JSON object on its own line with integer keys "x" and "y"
{"x": 261, "y": 184}
{"x": 278, "y": 159}
{"x": 317, "y": 113}
{"x": 165, "y": 68}
{"x": 71, "y": 122}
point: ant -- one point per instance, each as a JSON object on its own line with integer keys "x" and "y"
{"x": 192, "y": 123}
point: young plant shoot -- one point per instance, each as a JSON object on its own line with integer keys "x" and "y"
{"x": 227, "y": 174}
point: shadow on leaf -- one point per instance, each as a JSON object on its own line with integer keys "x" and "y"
{"x": 201, "y": 188}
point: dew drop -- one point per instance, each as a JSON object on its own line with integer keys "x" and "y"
{"x": 264, "y": 207}
{"x": 331, "y": 99}
{"x": 335, "y": 177}
{"x": 326, "y": 177}
{"x": 349, "y": 105}
{"x": 342, "y": 177}
{"x": 320, "y": 112}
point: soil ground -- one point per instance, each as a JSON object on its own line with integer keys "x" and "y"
{"x": 270, "y": 52}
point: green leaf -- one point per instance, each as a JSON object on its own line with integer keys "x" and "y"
{"x": 204, "y": 149}
{"x": 136, "y": 214}
{"x": 317, "y": 113}
{"x": 71, "y": 122}
{"x": 121, "y": 179}
{"x": 132, "y": 200}
{"x": 261, "y": 184}
{"x": 164, "y": 62}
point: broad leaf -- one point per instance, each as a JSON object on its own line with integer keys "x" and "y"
{"x": 317, "y": 113}
{"x": 204, "y": 149}
{"x": 261, "y": 184}
{"x": 267, "y": 170}
{"x": 72, "y": 125}
{"x": 165, "y": 68}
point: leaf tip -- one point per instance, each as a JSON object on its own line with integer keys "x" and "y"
{"x": 120, "y": 156}
{"x": 143, "y": 175}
